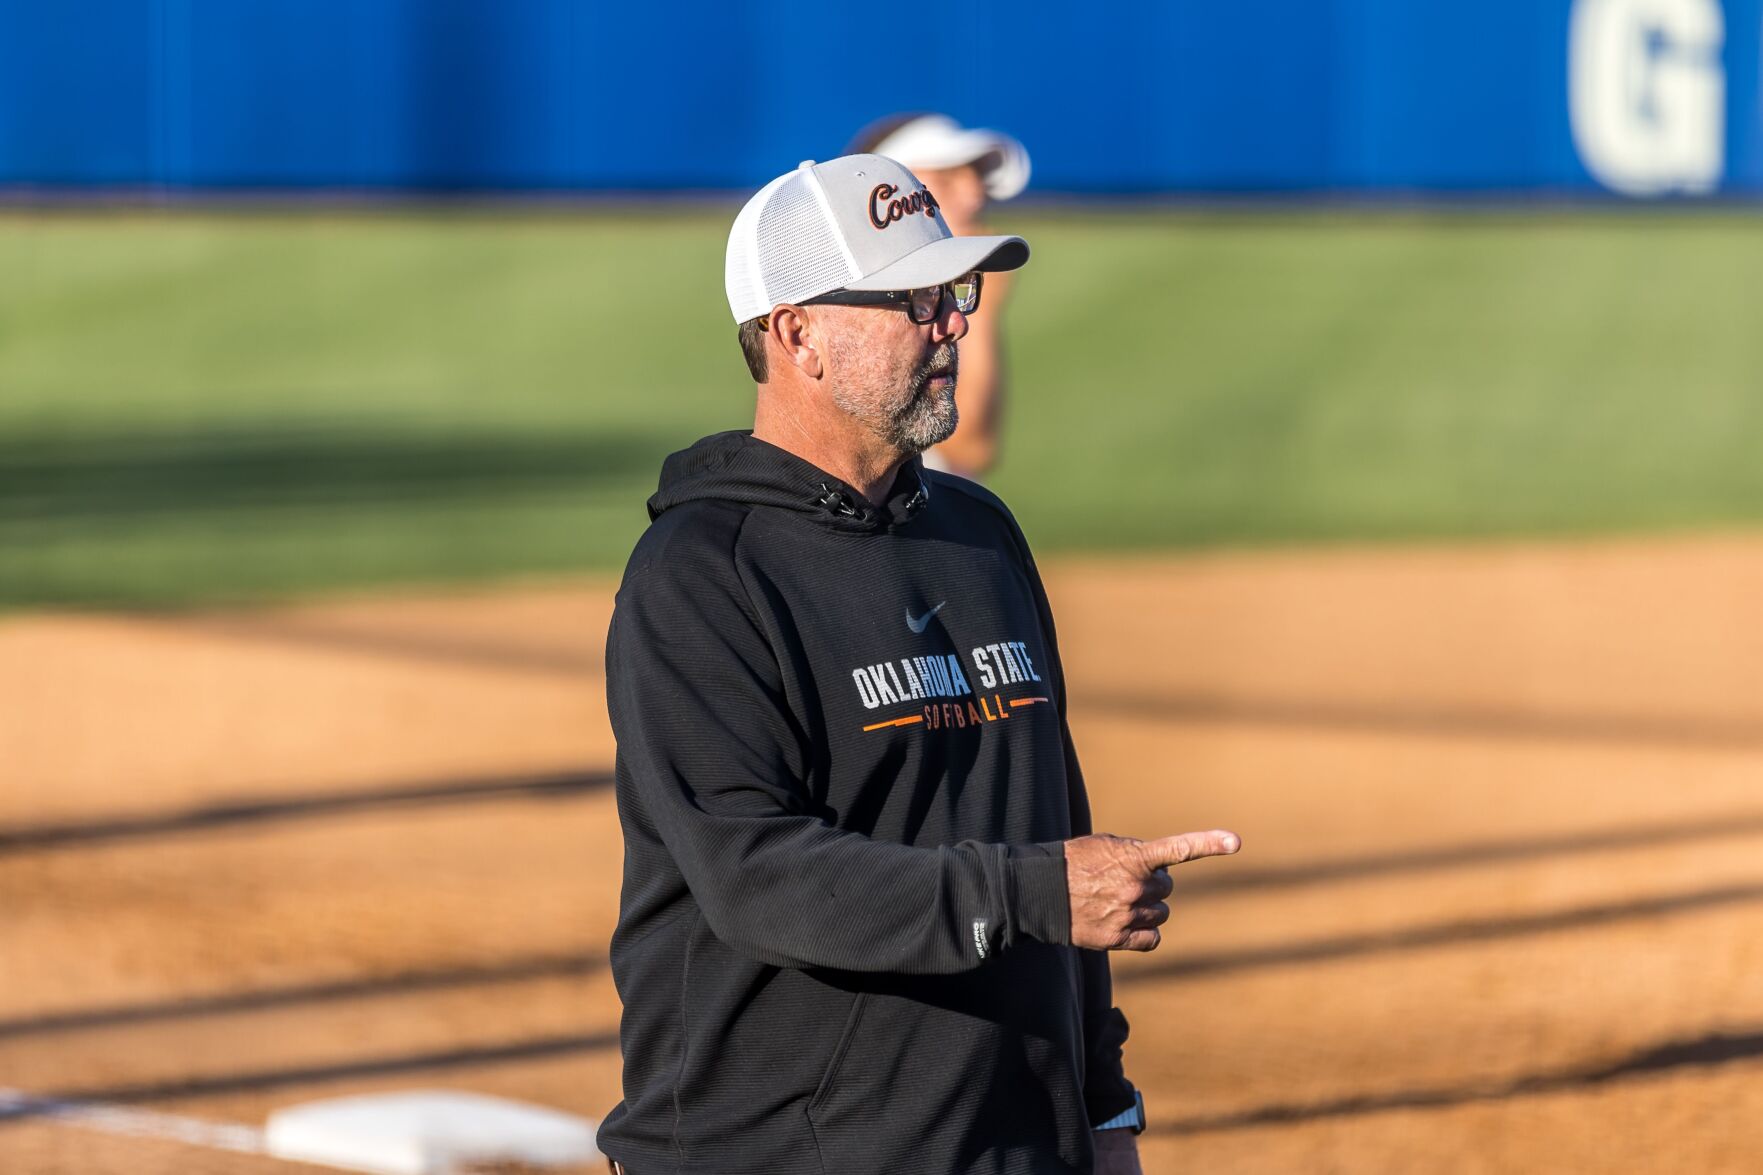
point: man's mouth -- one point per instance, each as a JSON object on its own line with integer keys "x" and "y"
{"x": 941, "y": 373}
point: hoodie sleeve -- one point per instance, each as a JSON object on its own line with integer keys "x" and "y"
{"x": 1107, "y": 1092}
{"x": 709, "y": 748}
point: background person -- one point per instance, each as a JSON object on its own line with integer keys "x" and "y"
{"x": 966, "y": 169}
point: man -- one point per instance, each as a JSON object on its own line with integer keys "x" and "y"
{"x": 968, "y": 169}
{"x": 856, "y": 861}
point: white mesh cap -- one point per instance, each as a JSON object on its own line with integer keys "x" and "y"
{"x": 860, "y": 222}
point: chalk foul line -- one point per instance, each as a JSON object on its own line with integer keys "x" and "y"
{"x": 132, "y": 1122}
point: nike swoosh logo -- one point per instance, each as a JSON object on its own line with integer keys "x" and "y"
{"x": 920, "y": 623}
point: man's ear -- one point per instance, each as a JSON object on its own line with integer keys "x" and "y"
{"x": 794, "y": 341}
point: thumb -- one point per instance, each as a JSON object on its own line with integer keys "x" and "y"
{"x": 1174, "y": 850}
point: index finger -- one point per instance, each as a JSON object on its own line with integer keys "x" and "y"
{"x": 1187, "y": 846}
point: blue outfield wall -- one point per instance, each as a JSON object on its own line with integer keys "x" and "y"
{"x": 1632, "y": 97}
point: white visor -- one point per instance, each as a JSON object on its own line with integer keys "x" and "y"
{"x": 935, "y": 142}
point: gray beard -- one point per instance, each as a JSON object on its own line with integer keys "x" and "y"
{"x": 929, "y": 418}
{"x": 919, "y": 417}
{"x": 925, "y": 418}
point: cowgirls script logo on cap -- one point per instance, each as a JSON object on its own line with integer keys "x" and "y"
{"x": 898, "y": 208}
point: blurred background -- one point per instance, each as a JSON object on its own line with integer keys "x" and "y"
{"x": 1381, "y": 402}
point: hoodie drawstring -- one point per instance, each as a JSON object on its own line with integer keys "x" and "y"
{"x": 836, "y": 501}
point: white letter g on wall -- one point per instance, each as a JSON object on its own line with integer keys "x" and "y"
{"x": 1647, "y": 94}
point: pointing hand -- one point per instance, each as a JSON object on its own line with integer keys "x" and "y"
{"x": 1118, "y": 884}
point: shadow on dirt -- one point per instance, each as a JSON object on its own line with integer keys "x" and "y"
{"x": 1701, "y": 1052}
{"x": 1737, "y": 824}
{"x": 1154, "y": 970}
{"x": 401, "y": 983}
{"x": 267, "y": 809}
{"x": 1671, "y": 731}
{"x": 41, "y": 1105}
{"x": 1355, "y": 946}
{"x": 431, "y": 647}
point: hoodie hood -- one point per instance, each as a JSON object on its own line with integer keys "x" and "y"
{"x": 738, "y": 467}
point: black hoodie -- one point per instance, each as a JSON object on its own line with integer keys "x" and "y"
{"x": 844, "y": 773}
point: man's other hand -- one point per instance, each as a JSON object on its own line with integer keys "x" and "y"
{"x": 1118, "y": 884}
{"x": 1117, "y": 1152}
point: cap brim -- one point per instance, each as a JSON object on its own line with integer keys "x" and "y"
{"x": 945, "y": 260}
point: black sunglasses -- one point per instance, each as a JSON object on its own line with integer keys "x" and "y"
{"x": 921, "y": 304}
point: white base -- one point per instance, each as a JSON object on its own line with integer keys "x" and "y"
{"x": 428, "y": 1133}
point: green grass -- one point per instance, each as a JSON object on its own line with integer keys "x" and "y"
{"x": 1280, "y": 379}
{"x": 198, "y": 408}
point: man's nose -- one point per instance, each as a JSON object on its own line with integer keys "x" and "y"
{"x": 950, "y": 326}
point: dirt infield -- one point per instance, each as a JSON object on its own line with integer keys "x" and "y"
{"x": 1500, "y": 906}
